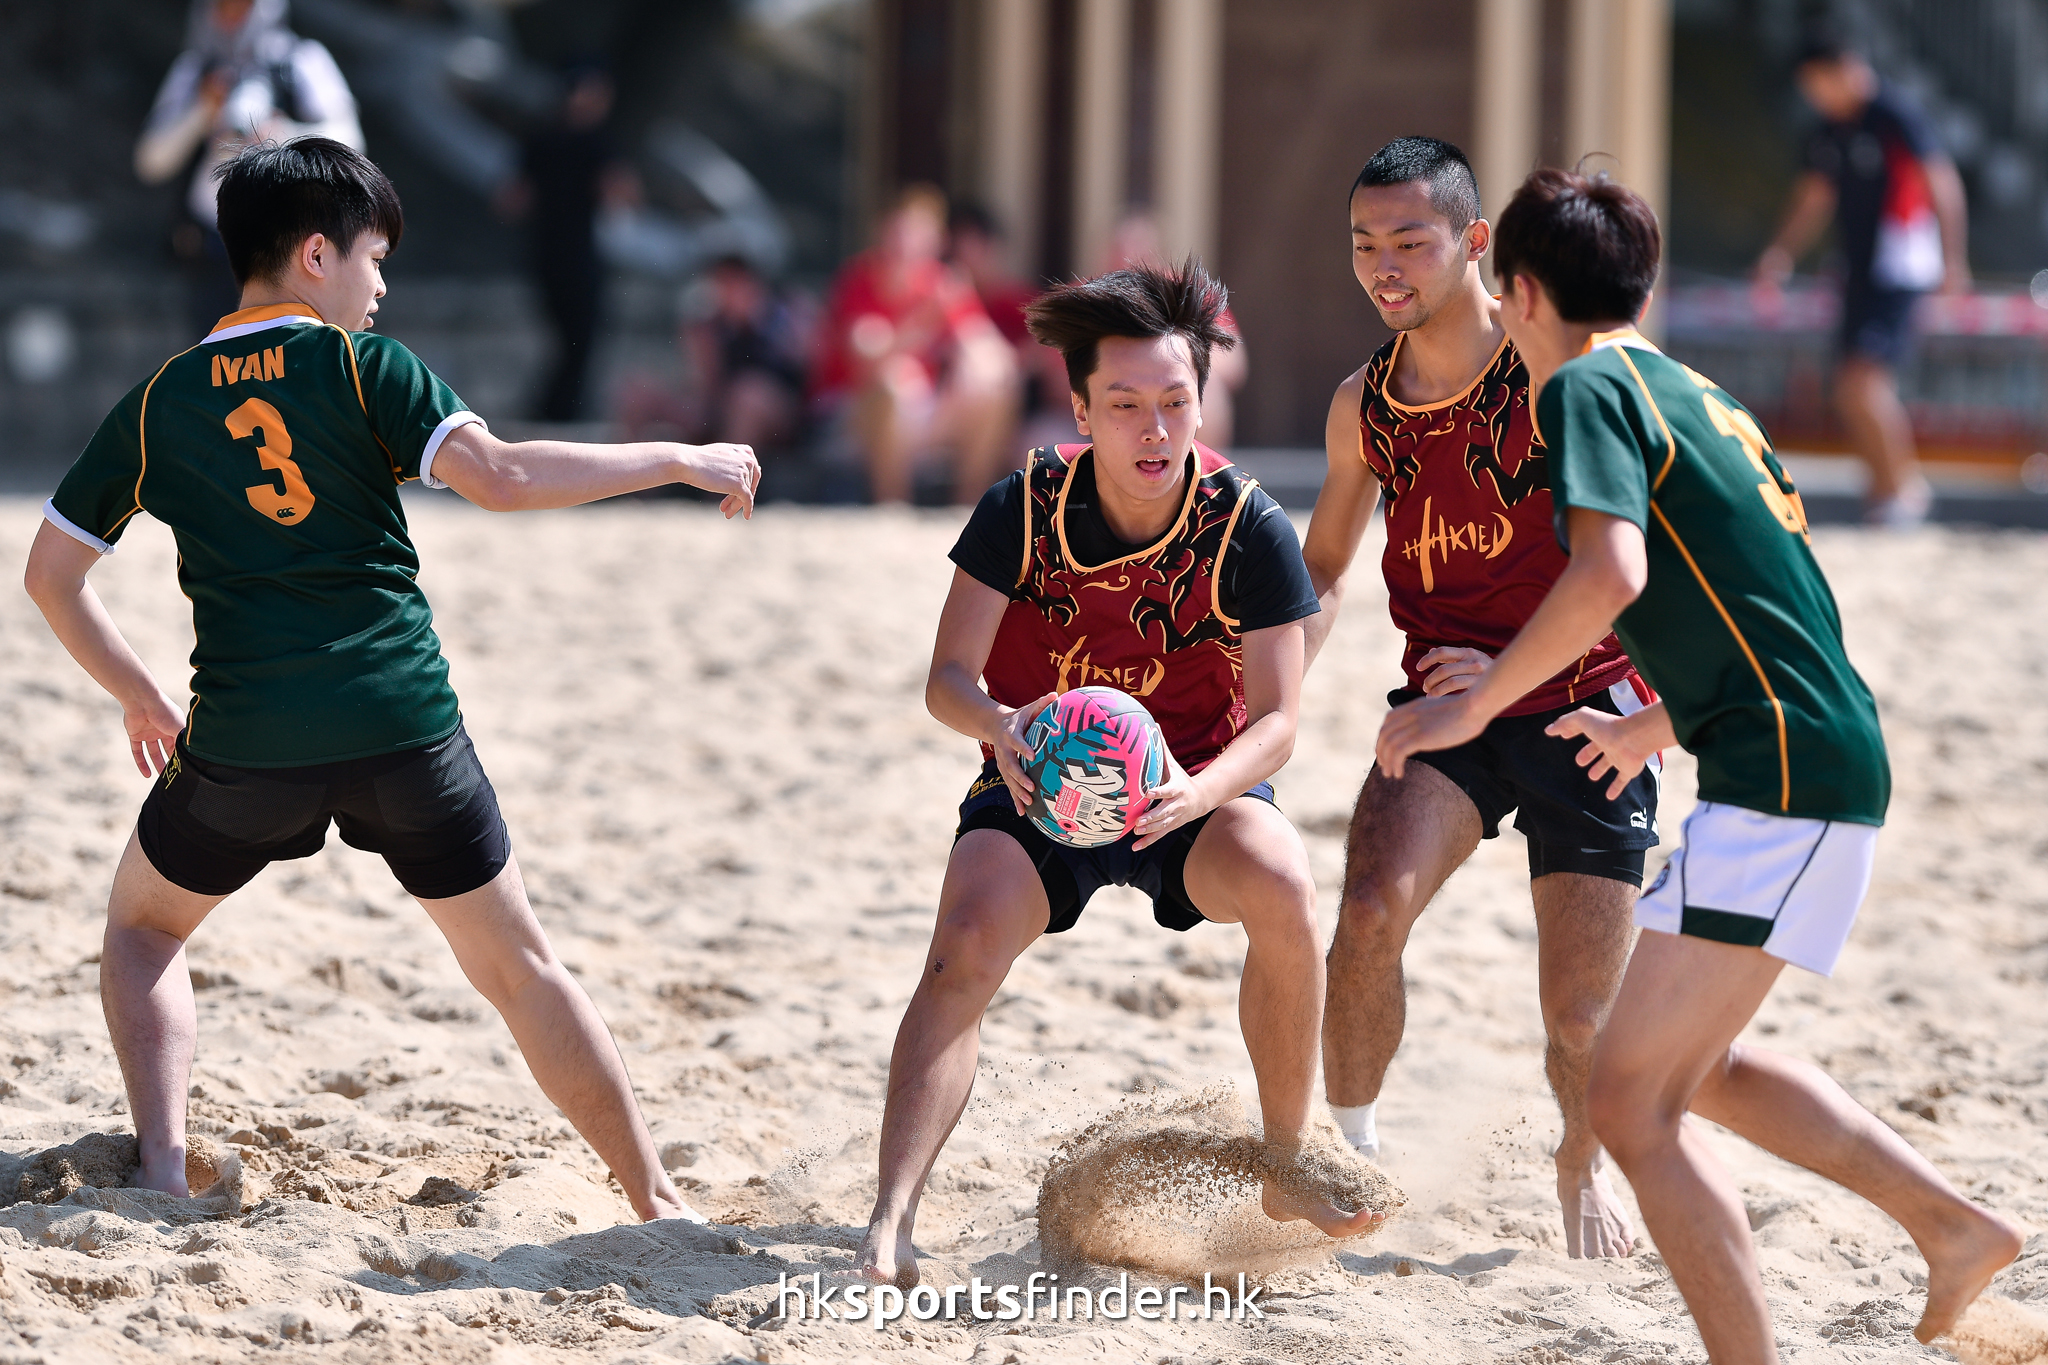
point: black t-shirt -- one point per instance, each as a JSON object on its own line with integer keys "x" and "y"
{"x": 1875, "y": 162}
{"x": 1265, "y": 583}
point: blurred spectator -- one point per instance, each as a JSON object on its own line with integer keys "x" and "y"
{"x": 909, "y": 366}
{"x": 980, "y": 249}
{"x": 1876, "y": 169}
{"x": 745, "y": 346}
{"x": 242, "y": 77}
{"x": 568, "y": 171}
{"x": 1136, "y": 242}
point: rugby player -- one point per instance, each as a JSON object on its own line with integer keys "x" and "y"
{"x": 274, "y": 449}
{"x": 1145, "y": 562}
{"x": 1438, "y": 422}
{"x": 1688, "y": 539}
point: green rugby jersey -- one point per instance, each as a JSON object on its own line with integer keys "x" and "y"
{"x": 1737, "y": 628}
{"x": 274, "y": 449}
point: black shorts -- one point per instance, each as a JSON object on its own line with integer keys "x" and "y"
{"x": 430, "y": 812}
{"x": 1877, "y": 324}
{"x": 1072, "y": 875}
{"x": 1570, "y": 824}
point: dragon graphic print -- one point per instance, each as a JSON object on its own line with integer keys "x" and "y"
{"x": 1471, "y": 547}
{"x": 1149, "y": 624}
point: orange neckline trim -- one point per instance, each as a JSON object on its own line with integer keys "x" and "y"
{"x": 1400, "y": 340}
{"x": 264, "y": 313}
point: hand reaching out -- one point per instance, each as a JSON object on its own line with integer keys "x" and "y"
{"x": 1622, "y": 745}
{"x": 728, "y": 469}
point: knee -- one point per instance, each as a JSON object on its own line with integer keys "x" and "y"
{"x": 1372, "y": 922}
{"x": 1628, "y": 1112}
{"x": 971, "y": 953}
{"x": 1276, "y": 904}
{"x": 1575, "y": 1027}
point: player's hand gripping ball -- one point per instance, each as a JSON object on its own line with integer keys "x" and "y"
{"x": 1096, "y": 755}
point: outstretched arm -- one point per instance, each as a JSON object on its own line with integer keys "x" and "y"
{"x": 1609, "y": 566}
{"x": 522, "y": 476}
{"x": 1344, "y": 509}
{"x": 57, "y": 566}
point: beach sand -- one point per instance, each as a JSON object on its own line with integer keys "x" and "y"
{"x": 733, "y": 813}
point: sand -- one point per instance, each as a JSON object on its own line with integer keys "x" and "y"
{"x": 733, "y": 813}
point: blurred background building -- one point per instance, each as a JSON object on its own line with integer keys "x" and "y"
{"x": 753, "y": 146}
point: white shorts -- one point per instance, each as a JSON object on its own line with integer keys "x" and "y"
{"x": 1788, "y": 886}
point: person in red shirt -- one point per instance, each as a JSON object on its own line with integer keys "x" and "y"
{"x": 909, "y": 365}
{"x": 1439, "y": 422}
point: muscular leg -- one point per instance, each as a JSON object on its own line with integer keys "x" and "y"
{"x": 1583, "y": 930}
{"x": 991, "y": 908}
{"x": 1867, "y": 394}
{"x": 1248, "y": 867}
{"x": 146, "y": 991}
{"x": 1670, "y": 1047}
{"x": 506, "y": 956}
{"x": 1407, "y": 837}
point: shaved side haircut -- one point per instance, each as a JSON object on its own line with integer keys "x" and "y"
{"x": 1453, "y": 189}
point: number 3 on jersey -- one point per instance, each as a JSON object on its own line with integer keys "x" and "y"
{"x": 1738, "y": 424}
{"x": 274, "y": 451}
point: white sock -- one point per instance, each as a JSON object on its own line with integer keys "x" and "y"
{"x": 1359, "y": 1126}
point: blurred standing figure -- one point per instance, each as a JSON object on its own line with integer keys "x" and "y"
{"x": 242, "y": 77}
{"x": 569, "y": 171}
{"x": 909, "y": 364}
{"x": 1875, "y": 168}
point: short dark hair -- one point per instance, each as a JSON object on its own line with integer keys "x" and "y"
{"x": 1453, "y": 189}
{"x": 1138, "y": 301}
{"x": 1825, "y": 42}
{"x": 1589, "y": 240}
{"x": 273, "y": 196}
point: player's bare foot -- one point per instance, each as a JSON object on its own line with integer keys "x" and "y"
{"x": 1960, "y": 1263}
{"x": 669, "y": 1205}
{"x": 1595, "y": 1223}
{"x": 1284, "y": 1205}
{"x": 886, "y": 1255}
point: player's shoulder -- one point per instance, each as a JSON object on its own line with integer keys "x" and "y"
{"x": 1372, "y": 376}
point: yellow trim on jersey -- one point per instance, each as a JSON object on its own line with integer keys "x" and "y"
{"x": 1670, "y": 446}
{"x": 264, "y": 313}
{"x": 1394, "y": 357}
{"x": 356, "y": 374}
{"x": 1784, "y": 750}
{"x": 1244, "y": 495}
{"x": 1030, "y": 467}
{"x": 142, "y": 438}
{"x": 1059, "y": 517}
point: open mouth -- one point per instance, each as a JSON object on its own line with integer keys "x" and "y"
{"x": 1154, "y": 468}
{"x": 1393, "y": 299}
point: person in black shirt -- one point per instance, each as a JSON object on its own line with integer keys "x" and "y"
{"x": 1876, "y": 169}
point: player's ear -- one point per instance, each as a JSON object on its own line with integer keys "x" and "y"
{"x": 1478, "y": 237}
{"x": 316, "y": 256}
{"x": 1080, "y": 412}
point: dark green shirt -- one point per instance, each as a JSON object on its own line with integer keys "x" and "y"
{"x": 1737, "y": 628}
{"x": 274, "y": 450}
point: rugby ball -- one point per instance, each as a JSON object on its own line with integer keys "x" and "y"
{"x": 1096, "y": 755}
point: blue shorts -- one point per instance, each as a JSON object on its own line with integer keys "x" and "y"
{"x": 1072, "y": 875}
{"x": 1877, "y": 324}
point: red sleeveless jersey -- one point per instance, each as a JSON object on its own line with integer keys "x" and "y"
{"x": 1150, "y": 624}
{"x": 1471, "y": 545}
